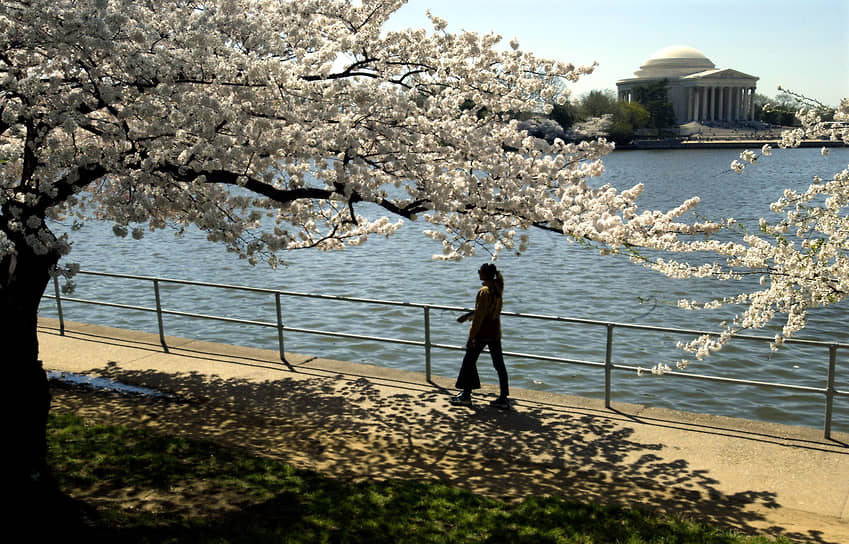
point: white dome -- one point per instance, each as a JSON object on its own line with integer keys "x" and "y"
{"x": 678, "y": 52}
{"x": 675, "y": 61}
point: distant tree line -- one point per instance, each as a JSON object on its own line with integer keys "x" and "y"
{"x": 781, "y": 110}
{"x": 650, "y": 112}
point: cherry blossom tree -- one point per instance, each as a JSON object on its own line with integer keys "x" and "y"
{"x": 270, "y": 125}
{"x": 801, "y": 258}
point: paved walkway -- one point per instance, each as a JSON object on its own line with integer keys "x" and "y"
{"x": 361, "y": 420}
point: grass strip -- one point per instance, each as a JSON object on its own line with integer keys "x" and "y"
{"x": 144, "y": 487}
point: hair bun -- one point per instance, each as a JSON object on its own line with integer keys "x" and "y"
{"x": 488, "y": 270}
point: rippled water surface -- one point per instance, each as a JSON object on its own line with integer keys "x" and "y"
{"x": 553, "y": 278}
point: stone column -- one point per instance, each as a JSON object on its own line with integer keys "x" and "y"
{"x": 735, "y": 101}
{"x": 698, "y": 116}
{"x": 689, "y": 104}
{"x": 751, "y": 103}
{"x": 729, "y": 97}
{"x": 712, "y": 115}
{"x": 721, "y": 114}
{"x": 730, "y": 113}
{"x": 695, "y": 115}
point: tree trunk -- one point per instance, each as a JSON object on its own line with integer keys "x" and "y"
{"x": 23, "y": 279}
{"x": 33, "y": 501}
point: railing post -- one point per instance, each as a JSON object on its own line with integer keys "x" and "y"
{"x": 608, "y": 365}
{"x": 829, "y": 389}
{"x": 427, "y": 342}
{"x": 59, "y": 305}
{"x": 280, "y": 326}
{"x": 159, "y": 315}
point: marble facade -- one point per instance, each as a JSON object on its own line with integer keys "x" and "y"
{"x": 697, "y": 90}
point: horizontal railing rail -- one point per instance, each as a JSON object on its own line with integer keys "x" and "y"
{"x": 829, "y": 391}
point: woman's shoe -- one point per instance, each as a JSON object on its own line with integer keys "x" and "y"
{"x": 462, "y": 399}
{"x": 501, "y": 403}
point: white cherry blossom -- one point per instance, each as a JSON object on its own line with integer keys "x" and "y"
{"x": 801, "y": 259}
{"x": 272, "y": 125}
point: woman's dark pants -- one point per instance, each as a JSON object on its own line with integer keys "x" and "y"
{"x": 469, "y": 379}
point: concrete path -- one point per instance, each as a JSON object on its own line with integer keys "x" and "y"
{"x": 358, "y": 420}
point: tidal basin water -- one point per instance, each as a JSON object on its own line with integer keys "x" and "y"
{"x": 554, "y": 277}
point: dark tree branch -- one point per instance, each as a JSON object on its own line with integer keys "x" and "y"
{"x": 284, "y": 196}
{"x": 71, "y": 183}
{"x": 225, "y": 177}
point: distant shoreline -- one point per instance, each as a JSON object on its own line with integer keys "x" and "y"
{"x": 681, "y": 143}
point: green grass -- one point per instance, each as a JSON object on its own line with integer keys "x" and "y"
{"x": 109, "y": 468}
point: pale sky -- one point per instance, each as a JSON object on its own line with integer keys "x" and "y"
{"x": 801, "y": 45}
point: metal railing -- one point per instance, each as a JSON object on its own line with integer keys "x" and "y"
{"x": 608, "y": 366}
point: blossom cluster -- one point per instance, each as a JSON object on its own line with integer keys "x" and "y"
{"x": 276, "y": 125}
{"x": 801, "y": 258}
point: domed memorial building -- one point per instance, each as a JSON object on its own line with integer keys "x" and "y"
{"x": 697, "y": 89}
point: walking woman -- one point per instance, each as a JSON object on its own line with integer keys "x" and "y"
{"x": 485, "y": 331}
